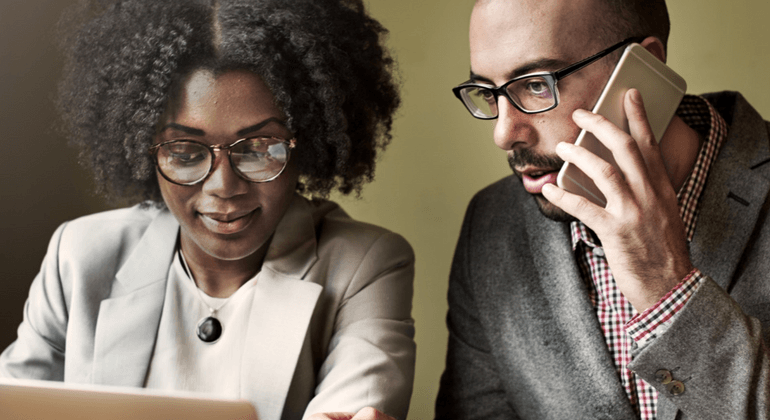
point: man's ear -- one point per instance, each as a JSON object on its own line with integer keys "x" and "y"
{"x": 655, "y": 46}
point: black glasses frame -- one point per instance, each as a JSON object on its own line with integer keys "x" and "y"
{"x": 153, "y": 151}
{"x": 551, "y": 77}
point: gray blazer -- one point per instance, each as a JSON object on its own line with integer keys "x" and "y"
{"x": 330, "y": 327}
{"x": 524, "y": 342}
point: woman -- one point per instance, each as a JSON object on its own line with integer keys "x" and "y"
{"x": 213, "y": 115}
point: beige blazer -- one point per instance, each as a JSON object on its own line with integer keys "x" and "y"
{"x": 331, "y": 326}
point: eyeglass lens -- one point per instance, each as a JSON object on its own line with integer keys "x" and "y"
{"x": 257, "y": 159}
{"x": 530, "y": 93}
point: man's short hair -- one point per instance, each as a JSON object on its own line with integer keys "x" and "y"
{"x": 636, "y": 18}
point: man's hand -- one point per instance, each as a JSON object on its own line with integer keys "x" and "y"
{"x": 367, "y": 413}
{"x": 640, "y": 228}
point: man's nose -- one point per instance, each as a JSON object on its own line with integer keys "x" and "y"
{"x": 511, "y": 127}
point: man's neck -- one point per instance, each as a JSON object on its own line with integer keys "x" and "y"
{"x": 679, "y": 146}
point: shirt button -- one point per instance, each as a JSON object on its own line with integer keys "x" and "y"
{"x": 599, "y": 252}
{"x": 664, "y": 377}
{"x": 675, "y": 388}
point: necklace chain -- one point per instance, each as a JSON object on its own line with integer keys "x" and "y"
{"x": 209, "y": 328}
{"x": 197, "y": 289}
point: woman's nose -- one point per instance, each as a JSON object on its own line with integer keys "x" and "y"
{"x": 223, "y": 181}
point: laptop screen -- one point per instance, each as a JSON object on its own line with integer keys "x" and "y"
{"x": 44, "y": 400}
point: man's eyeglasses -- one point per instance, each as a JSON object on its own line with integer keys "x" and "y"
{"x": 255, "y": 159}
{"x": 530, "y": 93}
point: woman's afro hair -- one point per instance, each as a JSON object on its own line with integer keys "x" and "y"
{"x": 323, "y": 60}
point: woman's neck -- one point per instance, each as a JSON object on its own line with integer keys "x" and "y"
{"x": 220, "y": 278}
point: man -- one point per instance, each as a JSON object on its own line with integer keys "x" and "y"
{"x": 656, "y": 306}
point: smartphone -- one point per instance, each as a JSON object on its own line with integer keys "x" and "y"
{"x": 662, "y": 91}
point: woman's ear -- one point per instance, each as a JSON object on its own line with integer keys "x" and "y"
{"x": 656, "y": 47}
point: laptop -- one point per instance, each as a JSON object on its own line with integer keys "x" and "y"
{"x": 43, "y": 400}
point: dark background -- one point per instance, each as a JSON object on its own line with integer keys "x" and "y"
{"x": 42, "y": 183}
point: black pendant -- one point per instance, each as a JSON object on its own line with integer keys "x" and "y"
{"x": 209, "y": 329}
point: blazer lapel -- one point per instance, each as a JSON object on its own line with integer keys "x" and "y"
{"x": 128, "y": 321}
{"x": 280, "y": 315}
{"x": 736, "y": 189}
{"x": 587, "y": 365}
{"x": 281, "y": 311}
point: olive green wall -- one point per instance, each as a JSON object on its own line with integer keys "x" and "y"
{"x": 439, "y": 157}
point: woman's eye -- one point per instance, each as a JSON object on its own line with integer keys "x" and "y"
{"x": 252, "y": 149}
{"x": 254, "y": 154}
{"x": 187, "y": 158}
{"x": 255, "y": 149}
{"x": 181, "y": 154}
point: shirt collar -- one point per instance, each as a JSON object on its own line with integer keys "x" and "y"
{"x": 698, "y": 113}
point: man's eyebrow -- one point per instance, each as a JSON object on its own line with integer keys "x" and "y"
{"x": 476, "y": 79}
{"x": 545, "y": 64}
{"x": 241, "y": 132}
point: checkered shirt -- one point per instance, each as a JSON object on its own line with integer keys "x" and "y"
{"x": 621, "y": 324}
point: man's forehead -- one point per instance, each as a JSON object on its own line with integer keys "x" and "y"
{"x": 538, "y": 12}
{"x": 507, "y": 37}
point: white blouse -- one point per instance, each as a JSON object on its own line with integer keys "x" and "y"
{"x": 181, "y": 361}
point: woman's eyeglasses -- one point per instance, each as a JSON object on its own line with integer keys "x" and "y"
{"x": 255, "y": 159}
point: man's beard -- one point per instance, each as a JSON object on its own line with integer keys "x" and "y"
{"x": 525, "y": 157}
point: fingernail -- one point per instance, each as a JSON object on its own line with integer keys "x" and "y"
{"x": 546, "y": 188}
{"x": 636, "y": 97}
{"x": 563, "y": 146}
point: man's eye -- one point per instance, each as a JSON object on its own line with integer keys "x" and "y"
{"x": 485, "y": 94}
{"x": 539, "y": 88}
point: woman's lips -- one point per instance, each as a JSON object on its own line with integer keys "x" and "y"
{"x": 534, "y": 184}
{"x": 226, "y": 224}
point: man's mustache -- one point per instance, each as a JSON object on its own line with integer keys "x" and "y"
{"x": 526, "y": 157}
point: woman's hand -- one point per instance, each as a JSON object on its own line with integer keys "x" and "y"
{"x": 367, "y": 413}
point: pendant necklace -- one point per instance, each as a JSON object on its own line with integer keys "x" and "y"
{"x": 209, "y": 328}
